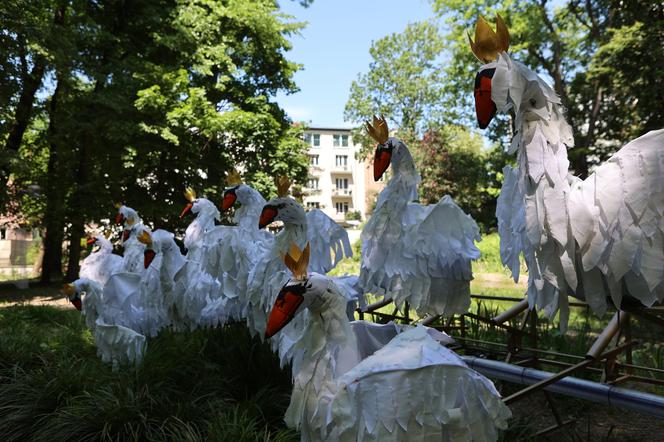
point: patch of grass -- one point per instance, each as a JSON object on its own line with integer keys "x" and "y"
{"x": 216, "y": 384}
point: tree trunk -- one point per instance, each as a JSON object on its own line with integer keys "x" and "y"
{"x": 77, "y": 217}
{"x": 54, "y": 214}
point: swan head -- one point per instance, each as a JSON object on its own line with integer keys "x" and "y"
{"x": 294, "y": 297}
{"x": 95, "y": 242}
{"x": 389, "y": 150}
{"x": 229, "y": 198}
{"x": 303, "y": 290}
{"x": 75, "y": 290}
{"x": 284, "y": 209}
{"x": 151, "y": 247}
{"x": 98, "y": 242}
{"x": 126, "y": 215}
{"x": 487, "y": 47}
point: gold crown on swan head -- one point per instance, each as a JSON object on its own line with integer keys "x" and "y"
{"x": 233, "y": 179}
{"x": 377, "y": 129}
{"x": 297, "y": 261}
{"x": 145, "y": 238}
{"x": 190, "y": 194}
{"x": 283, "y": 184}
{"x": 68, "y": 290}
{"x": 488, "y": 44}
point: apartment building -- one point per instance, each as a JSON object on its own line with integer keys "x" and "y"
{"x": 339, "y": 184}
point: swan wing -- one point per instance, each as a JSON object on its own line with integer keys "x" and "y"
{"x": 328, "y": 241}
{"x": 414, "y": 388}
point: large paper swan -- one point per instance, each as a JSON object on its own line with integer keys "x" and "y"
{"x": 410, "y": 252}
{"x": 411, "y": 389}
{"x": 593, "y": 238}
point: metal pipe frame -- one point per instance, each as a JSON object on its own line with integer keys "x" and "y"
{"x": 610, "y": 395}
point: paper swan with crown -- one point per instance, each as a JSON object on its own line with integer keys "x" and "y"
{"x": 410, "y": 252}
{"x": 594, "y": 238}
{"x": 194, "y": 286}
{"x": 132, "y": 257}
{"x": 412, "y": 388}
{"x": 232, "y": 252}
{"x": 329, "y": 246}
{"x": 102, "y": 262}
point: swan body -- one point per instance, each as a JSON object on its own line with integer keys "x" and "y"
{"x": 145, "y": 303}
{"x": 132, "y": 257}
{"x": 116, "y": 343}
{"x": 415, "y": 253}
{"x": 193, "y": 284}
{"x": 231, "y": 253}
{"x": 412, "y": 388}
{"x": 598, "y": 238}
{"x": 101, "y": 264}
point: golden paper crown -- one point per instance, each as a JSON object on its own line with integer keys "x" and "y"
{"x": 190, "y": 194}
{"x": 68, "y": 290}
{"x": 488, "y": 44}
{"x": 297, "y": 261}
{"x": 378, "y": 130}
{"x": 145, "y": 238}
{"x": 233, "y": 179}
{"x": 283, "y": 184}
{"x": 118, "y": 205}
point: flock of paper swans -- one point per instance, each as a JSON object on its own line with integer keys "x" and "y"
{"x": 599, "y": 240}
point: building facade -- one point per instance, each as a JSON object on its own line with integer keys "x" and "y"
{"x": 339, "y": 184}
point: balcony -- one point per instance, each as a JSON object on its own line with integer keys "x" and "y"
{"x": 342, "y": 169}
{"x": 342, "y": 192}
{"x": 311, "y": 191}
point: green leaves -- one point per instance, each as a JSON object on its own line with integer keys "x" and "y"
{"x": 403, "y": 83}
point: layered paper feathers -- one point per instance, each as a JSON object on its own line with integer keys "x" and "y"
{"x": 415, "y": 253}
{"x": 597, "y": 238}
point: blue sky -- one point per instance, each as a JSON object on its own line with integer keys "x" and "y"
{"x": 334, "y": 49}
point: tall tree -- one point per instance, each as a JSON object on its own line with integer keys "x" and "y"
{"x": 597, "y": 54}
{"x": 149, "y": 97}
{"x": 30, "y": 31}
{"x": 404, "y": 83}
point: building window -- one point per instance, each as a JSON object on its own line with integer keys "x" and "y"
{"x": 342, "y": 207}
{"x": 313, "y": 205}
{"x": 313, "y": 160}
{"x": 341, "y": 161}
{"x": 312, "y": 183}
{"x": 312, "y": 139}
{"x": 340, "y": 140}
{"x": 341, "y": 183}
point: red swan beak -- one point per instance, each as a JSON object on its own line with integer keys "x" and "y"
{"x": 485, "y": 108}
{"x": 186, "y": 210}
{"x": 148, "y": 256}
{"x": 268, "y": 215}
{"x": 229, "y": 199}
{"x": 381, "y": 162}
{"x": 283, "y": 311}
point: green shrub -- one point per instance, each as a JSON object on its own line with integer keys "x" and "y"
{"x": 215, "y": 384}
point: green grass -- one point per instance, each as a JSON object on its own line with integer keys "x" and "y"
{"x": 202, "y": 385}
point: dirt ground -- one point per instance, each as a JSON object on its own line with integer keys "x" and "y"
{"x": 592, "y": 422}
{"x": 12, "y": 293}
